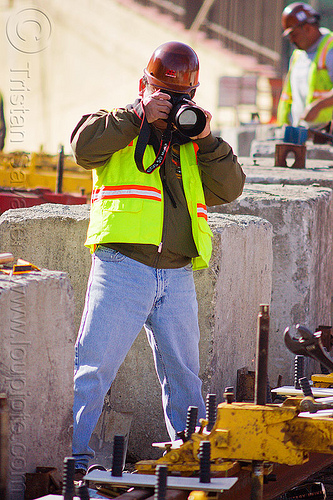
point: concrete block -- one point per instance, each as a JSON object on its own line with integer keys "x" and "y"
{"x": 240, "y": 137}
{"x": 244, "y": 135}
{"x": 302, "y": 220}
{"x": 229, "y": 295}
{"x": 51, "y": 236}
{"x": 263, "y": 171}
{"x": 266, "y": 148}
{"x": 36, "y": 368}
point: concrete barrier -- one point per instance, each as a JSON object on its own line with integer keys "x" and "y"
{"x": 238, "y": 280}
{"x": 241, "y": 137}
{"x": 302, "y": 220}
{"x": 229, "y": 295}
{"x": 36, "y": 346}
{"x": 266, "y": 148}
{"x": 263, "y": 171}
{"x": 51, "y": 236}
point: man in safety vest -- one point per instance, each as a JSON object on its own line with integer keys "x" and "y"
{"x": 307, "y": 95}
{"x": 148, "y": 229}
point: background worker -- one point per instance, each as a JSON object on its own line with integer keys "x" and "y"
{"x": 146, "y": 231}
{"x": 307, "y": 95}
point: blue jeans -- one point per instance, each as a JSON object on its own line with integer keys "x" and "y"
{"x": 122, "y": 296}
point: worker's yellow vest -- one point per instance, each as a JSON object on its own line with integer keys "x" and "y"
{"x": 319, "y": 83}
{"x": 127, "y": 205}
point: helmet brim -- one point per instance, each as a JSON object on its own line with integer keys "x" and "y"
{"x": 169, "y": 86}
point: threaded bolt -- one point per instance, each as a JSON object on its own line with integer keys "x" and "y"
{"x": 211, "y": 411}
{"x": 305, "y": 386}
{"x": 191, "y": 421}
{"x": 161, "y": 482}
{"x": 68, "y": 490}
{"x": 299, "y": 370}
{"x": 118, "y": 456}
{"x": 204, "y": 453}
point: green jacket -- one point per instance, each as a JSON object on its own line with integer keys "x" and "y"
{"x": 318, "y": 84}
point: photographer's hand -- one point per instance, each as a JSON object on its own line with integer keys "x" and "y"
{"x": 206, "y": 131}
{"x": 157, "y": 106}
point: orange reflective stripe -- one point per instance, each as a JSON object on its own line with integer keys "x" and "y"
{"x": 285, "y": 96}
{"x": 320, "y": 93}
{"x": 202, "y": 210}
{"x": 196, "y": 148}
{"x": 322, "y": 58}
{"x": 126, "y": 191}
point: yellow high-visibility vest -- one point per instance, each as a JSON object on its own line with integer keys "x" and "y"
{"x": 319, "y": 83}
{"x": 127, "y": 205}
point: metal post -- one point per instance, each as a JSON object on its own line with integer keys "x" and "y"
{"x": 260, "y": 389}
{"x": 298, "y": 370}
{"x": 257, "y": 480}
{"x": 204, "y": 453}
{"x": 161, "y": 482}
{"x": 191, "y": 421}
{"x": 118, "y": 456}
{"x": 211, "y": 411}
{"x": 68, "y": 489}
{"x": 260, "y": 393}
{"x": 60, "y": 170}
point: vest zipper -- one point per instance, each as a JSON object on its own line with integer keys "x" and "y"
{"x": 158, "y": 253}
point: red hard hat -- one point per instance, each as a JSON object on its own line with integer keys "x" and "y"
{"x": 173, "y": 66}
{"x": 296, "y": 14}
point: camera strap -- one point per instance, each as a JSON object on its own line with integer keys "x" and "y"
{"x": 142, "y": 143}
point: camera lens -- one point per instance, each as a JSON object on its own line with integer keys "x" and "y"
{"x": 190, "y": 120}
{"x": 187, "y": 118}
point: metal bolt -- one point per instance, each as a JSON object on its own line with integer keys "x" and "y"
{"x": 204, "y": 454}
{"x": 118, "y": 456}
{"x": 210, "y": 411}
{"x": 68, "y": 489}
{"x": 229, "y": 395}
{"x": 161, "y": 482}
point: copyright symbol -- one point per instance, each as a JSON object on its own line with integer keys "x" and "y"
{"x": 28, "y": 30}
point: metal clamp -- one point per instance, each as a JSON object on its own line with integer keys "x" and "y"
{"x": 308, "y": 344}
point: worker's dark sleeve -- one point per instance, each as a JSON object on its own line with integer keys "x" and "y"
{"x": 222, "y": 176}
{"x": 97, "y": 136}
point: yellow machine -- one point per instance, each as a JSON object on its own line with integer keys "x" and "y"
{"x": 248, "y": 440}
{"x": 32, "y": 170}
{"x": 255, "y": 436}
{"x": 284, "y": 434}
{"x": 322, "y": 380}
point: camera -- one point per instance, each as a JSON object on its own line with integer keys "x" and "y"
{"x": 186, "y": 117}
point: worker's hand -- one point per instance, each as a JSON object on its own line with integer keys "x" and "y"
{"x": 311, "y": 111}
{"x": 157, "y": 106}
{"x": 206, "y": 131}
